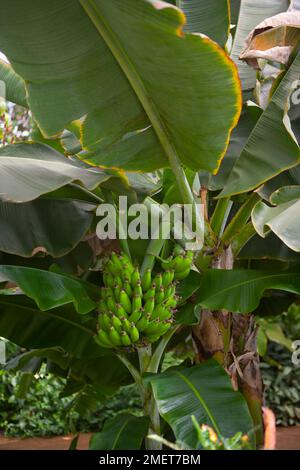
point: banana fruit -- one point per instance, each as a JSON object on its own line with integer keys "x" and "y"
{"x": 136, "y": 309}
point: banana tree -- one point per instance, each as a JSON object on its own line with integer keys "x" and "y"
{"x": 141, "y": 98}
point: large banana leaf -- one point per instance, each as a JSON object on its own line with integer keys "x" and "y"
{"x": 43, "y": 216}
{"x": 204, "y": 391}
{"x": 152, "y": 94}
{"x": 24, "y": 324}
{"x": 249, "y": 117}
{"x": 240, "y": 291}
{"x": 271, "y": 147}
{"x": 123, "y": 432}
{"x": 211, "y": 18}
{"x": 14, "y": 85}
{"x": 29, "y": 170}
{"x": 251, "y": 13}
{"x": 270, "y": 247}
{"x": 49, "y": 289}
{"x": 283, "y": 220}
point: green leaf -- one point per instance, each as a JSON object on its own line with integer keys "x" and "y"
{"x": 234, "y": 11}
{"x": 188, "y": 286}
{"x": 28, "y": 170}
{"x": 271, "y": 147}
{"x": 210, "y": 18}
{"x": 250, "y": 15}
{"x": 57, "y": 355}
{"x": 187, "y": 315}
{"x": 238, "y": 139}
{"x": 14, "y": 85}
{"x": 262, "y": 342}
{"x": 204, "y": 391}
{"x": 283, "y": 219}
{"x": 123, "y": 432}
{"x": 48, "y": 289}
{"x": 73, "y": 218}
{"x": 275, "y": 333}
{"x": 24, "y": 324}
{"x": 149, "y": 92}
{"x": 285, "y": 194}
{"x": 270, "y": 247}
{"x": 240, "y": 290}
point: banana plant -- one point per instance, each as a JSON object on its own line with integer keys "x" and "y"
{"x": 141, "y": 98}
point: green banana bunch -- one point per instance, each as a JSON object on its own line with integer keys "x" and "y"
{"x": 180, "y": 263}
{"x": 134, "y": 309}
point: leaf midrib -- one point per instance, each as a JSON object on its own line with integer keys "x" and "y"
{"x": 201, "y": 400}
{"x": 53, "y": 315}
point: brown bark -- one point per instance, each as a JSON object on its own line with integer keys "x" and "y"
{"x": 231, "y": 340}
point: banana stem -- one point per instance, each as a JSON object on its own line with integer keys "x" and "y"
{"x": 148, "y": 400}
{"x": 159, "y": 351}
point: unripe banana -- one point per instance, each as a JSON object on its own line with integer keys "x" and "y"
{"x": 136, "y": 302}
{"x": 116, "y": 323}
{"x": 171, "y": 302}
{"x": 182, "y": 274}
{"x": 127, "y": 271}
{"x": 158, "y": 281}
{"x": 143, "y": 322}
{"x": 167, "y": 278}
{"x": 108, "y": 279}
{"x": 126, "y": 324}
{"x": 153, "y": 338}
{"x": 124, "y": 259}
{"x": 170, "y": 292}
{"x": 182, "y": 265}
{"x": 149, "y": 305}
{"x": 158, "y": 311}
{"x": 150, "y": 292}
{"x": 166, "y": 314}
{"x": 158, "y": 328}
{"x": 135, "y": 277}
{"x": 104, "y": 321}
{"x": 120, "y": 311}
{"x": 146, "y": 280}
{"x": 103, "y": 339}
{"x": 134, "y": 333}
{"x": 112, "y": 268}
{"x": 135, "y": 316}
{"x": 138, "y": 289}
{"x": 153, "y": 327}
{"x": 111, "y": 304}
{"x": 127, "y": 288}
{"x": 114, "y": 337}
{"x": 116, "y": 261}
{"x": 118, "y": 282}
{"x": 160, "y": 296}
{"x": 117, "y": 292}
{"x": 126, "y": 341}
{"x": 125, "y": 301}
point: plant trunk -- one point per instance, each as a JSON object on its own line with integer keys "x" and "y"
{"x": 230, "y": 339}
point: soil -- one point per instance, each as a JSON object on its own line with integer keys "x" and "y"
{"x": 287, "y": 439}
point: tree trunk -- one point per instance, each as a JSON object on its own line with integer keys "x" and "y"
{"x": 230, "y": 339}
